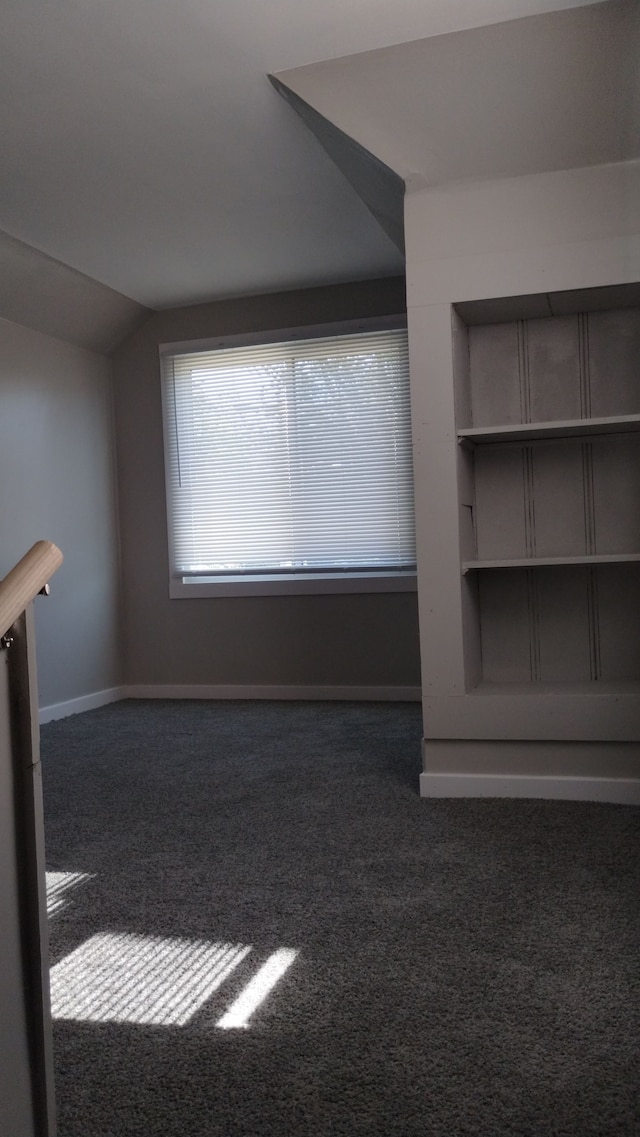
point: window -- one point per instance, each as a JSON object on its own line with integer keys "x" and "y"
{"x": 289, "y": 465}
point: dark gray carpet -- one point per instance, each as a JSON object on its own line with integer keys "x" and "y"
{"x": 465, "y": 968}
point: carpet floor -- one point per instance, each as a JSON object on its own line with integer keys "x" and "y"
{"x": 426, "y": 968}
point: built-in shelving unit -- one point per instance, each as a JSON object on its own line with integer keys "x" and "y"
{"x": 526, "y": 413}
{"x": 548, "y": 422}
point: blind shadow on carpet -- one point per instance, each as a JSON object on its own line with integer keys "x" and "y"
{"x": 258, "y": 928}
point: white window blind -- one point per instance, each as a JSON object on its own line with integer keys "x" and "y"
{"x": 291, "y": 457}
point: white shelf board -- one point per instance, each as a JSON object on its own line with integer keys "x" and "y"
{"x": 568, "y": 428}
{"x": 538, "y": 562}
{"x": 609, "y": 688}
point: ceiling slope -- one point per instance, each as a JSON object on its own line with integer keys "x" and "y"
{"x": 48, "y": 296}
{"x": 378, "y": 186}
{"x": 142, "y": 143}
{"x": 546, "y": 92}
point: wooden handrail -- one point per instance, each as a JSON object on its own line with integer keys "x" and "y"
{"x": 26, "y": 580}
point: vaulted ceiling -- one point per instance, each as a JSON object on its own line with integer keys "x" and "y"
{"x": 548, "y": 92}
{"x": 144, "y": 146}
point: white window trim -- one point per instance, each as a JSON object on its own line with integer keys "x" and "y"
{"x": 296, "y": 585}
{"x": 299, "y": 584}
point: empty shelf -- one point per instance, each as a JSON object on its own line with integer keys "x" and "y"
{"x": 569, "y": 428}
{"x": 537, "y": 562}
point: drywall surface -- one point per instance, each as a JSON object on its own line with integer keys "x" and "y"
{"x": 543, "y": 91}
{"x": 50, "y": 297}
{"x": 57, "y": 482}
{"x": 303, "y": 640}
{"x": 514, "y": 236}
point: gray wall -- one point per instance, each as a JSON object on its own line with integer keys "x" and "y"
{"x": 57, "y": 482}
{"x": 326, "y": 640}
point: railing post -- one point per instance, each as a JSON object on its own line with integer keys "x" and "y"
{"x": 27, "y": 1102}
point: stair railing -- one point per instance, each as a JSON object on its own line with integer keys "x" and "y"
{"x": 26, "y": 580}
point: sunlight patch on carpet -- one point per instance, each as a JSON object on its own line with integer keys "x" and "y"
{"x": 129, "y": 978}
{"x": 257, "y": 990}
{"x": 59, "y": 884}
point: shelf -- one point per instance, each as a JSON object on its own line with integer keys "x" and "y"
{"x": 547, "y": 457}
{"x": 603, "y": 688}
{"x": 569, "y": 428}
{"x": 538, "y": 562}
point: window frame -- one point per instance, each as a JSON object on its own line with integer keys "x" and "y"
{"x": 276, "y": 584}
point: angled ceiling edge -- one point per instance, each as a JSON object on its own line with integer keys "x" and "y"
{"x": 550, "y": 91}
{"x": 379, "y": 187}
{"x": 56, "y": 300}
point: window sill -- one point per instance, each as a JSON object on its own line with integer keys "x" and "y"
{"x": 312, "y": 585}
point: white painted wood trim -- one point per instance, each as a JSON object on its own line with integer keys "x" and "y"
{"x": 82, "y": 703}
{"x": 222, "y": 691}
{"x": 315, "y": 585}
{"x": 266, "y": 691}
{"x": 564, "y": 716}
{"x": 568, "y": 428}
{"x": 537, "y": 562}
{"x": 624, "y": 791}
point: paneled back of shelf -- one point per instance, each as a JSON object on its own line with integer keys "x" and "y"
{"x": 570, "y": 367}
{"x": 566, "y": 498}
{"x": 558, "y": 495}
{"x": 559, "y": 625}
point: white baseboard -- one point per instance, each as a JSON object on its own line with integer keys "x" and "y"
{"x": 221, "y": 691}
{"x": 259, "y": 691}
{"x": 624, "y": 791}
{"x": 83, "y": 703}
